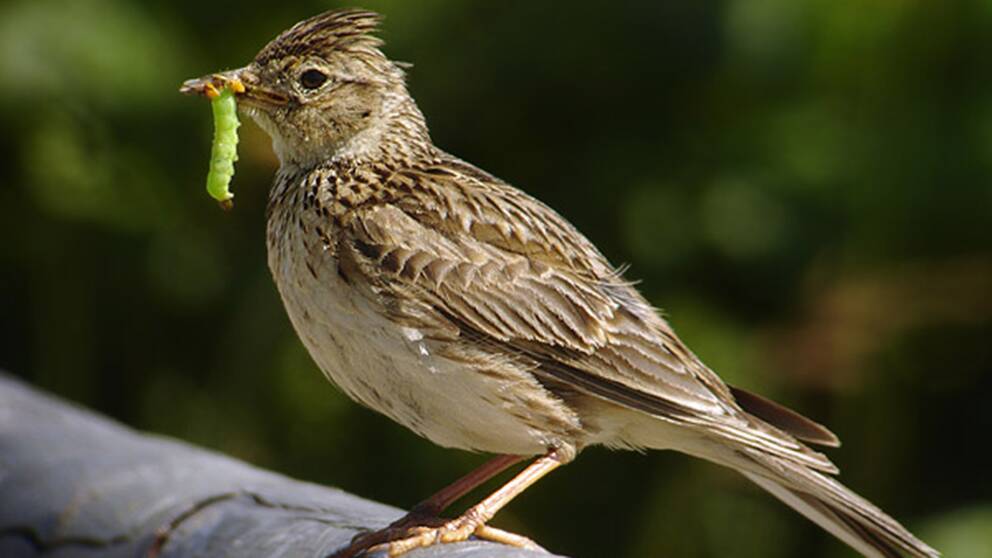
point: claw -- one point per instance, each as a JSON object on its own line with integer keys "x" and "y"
{"x": 454, "y": 531}
{"x": 493, "y": 534}
{"x": 411, "y": 532}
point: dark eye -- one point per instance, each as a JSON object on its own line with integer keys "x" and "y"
{"x": 312, "y": 79}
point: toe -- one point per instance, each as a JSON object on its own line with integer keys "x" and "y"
{"x": 493, "y": 534}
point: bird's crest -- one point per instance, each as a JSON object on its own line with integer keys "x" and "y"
{"x": 350, "y": 30}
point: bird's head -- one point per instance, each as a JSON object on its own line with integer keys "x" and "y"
{"x": 323, "y": 89}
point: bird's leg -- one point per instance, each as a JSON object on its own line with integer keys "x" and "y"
{"x": 425, "y": 514}
{"x": 473, "y": 521}
{"x": 448, "y": 495}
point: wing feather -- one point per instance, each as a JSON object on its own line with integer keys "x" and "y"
{"x": 532, "y": 285}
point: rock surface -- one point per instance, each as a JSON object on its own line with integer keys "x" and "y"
{"x": 75, "y": 484}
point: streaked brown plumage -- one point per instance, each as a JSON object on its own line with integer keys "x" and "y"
{"x": 478, "y": 317}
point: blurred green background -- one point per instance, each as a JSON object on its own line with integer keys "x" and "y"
{"x": 803, "y": 186}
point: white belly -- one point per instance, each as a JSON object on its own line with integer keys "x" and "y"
{"x": 391, "y": 369}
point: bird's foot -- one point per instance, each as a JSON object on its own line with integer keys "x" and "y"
{"x": 455, "y": 530}
{"x": 399, "y": 529}
{"x": 416, "y": 530}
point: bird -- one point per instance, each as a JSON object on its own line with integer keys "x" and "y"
{"x": 476, "y": 316}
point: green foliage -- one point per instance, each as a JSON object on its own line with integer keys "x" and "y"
{"x": 802, "y": 186}
{"x": 966, "y": 532}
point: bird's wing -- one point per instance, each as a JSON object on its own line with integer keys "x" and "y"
{"x": 498, "y": 268}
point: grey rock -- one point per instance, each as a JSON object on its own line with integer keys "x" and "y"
{"x": 75, "y": 484}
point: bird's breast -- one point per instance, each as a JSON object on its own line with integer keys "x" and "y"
{"x": 386, "y": 366}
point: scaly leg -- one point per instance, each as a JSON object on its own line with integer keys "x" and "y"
{"x": 448, "y": 495}
{"x": 473, "y": 521}
{"x": 425, "y": 514}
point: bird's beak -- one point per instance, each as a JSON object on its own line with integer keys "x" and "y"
{"x": 243, "y": 82}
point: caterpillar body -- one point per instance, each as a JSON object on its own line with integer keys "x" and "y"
{"x": 224, "y": 151}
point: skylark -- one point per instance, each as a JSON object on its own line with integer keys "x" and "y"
{"x": 476, "y": 316}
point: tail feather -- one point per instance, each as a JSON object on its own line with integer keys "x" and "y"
{"x": 816, "y": 511}
{"x": 764, "y": 446}
{"x": 836, "y": 508}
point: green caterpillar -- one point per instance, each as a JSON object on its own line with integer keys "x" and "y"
{"x": 224, "y": 151}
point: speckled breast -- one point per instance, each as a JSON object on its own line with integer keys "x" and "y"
{"x": 383, "y": 365}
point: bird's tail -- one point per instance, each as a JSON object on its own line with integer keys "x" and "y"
{"x": 831, "y": 505}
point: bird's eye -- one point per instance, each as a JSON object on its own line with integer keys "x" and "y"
{"x": 312, "y": 79}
